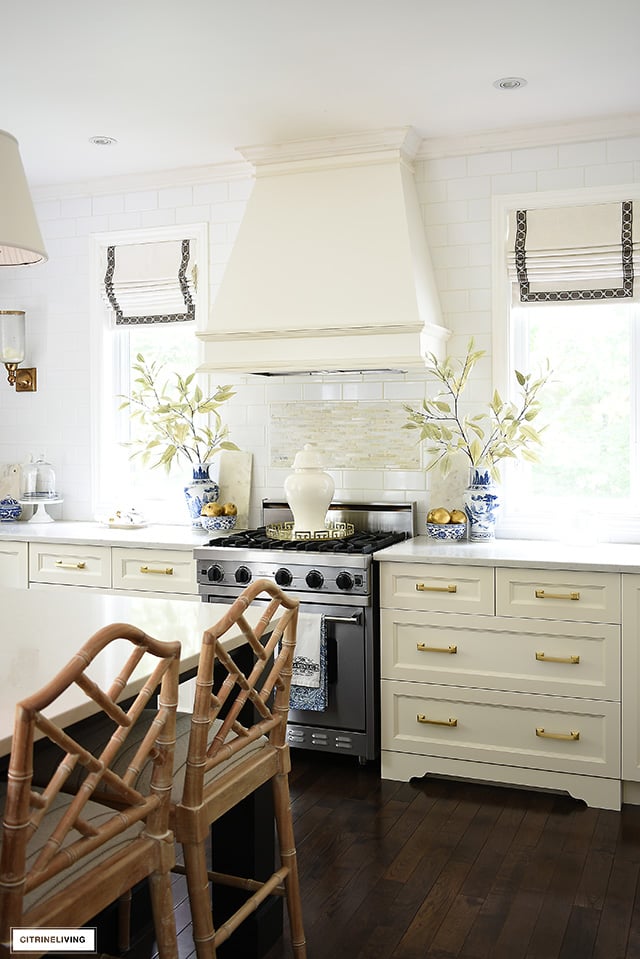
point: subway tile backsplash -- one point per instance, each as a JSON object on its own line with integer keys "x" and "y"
{"x": 271, "y": 418}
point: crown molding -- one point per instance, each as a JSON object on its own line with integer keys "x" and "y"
{"x": 517, "y": 138}
{"x": 401, "y": 139}
{"x": 397, "y": 141}
{"x": 136, "y": 182}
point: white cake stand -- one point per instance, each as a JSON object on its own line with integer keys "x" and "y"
{"x": 40, "y": 514}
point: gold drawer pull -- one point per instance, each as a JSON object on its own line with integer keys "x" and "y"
{"x": 167, "y": 571}
{"x": 541, "y": 594}
{"x": 451, "y": 588}
{"x": 62, "y": 565}
{"x": 436, "y": 722}
{"x": 568, "y": 737}
{"x": 423, "y": 648}
{"x": 543, "y": 658}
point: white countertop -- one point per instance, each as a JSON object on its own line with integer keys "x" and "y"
{"x": 42, "y": 631}
{"x": 543, "y": 554}
{"x": 152, "y": 536}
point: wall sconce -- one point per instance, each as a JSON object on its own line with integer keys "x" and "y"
{"x": 12, "y": 351}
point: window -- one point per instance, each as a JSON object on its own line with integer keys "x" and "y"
{"x": 119, "y": 480}
{"x": 585, "y": 487}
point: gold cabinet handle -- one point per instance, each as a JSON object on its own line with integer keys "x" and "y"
{"x": 167, "y": 571}
{"x": 451, "y": 588}
{"x": 62, "y": 565}
{"x": 436, "y": 722}
{"x": 567, "y": 737}
{"x": 423, "y": 648}
{"x": 542, "y": 594}
{"x": 543, "y": 658}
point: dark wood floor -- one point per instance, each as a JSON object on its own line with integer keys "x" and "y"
{"x": 440, "y": 869}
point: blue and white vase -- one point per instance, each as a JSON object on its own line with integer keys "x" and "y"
{"x": 199, "y": 491}
{"x": 481, "y": 504}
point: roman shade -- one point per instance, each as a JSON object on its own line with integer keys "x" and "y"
{"x": 572, "y": 254}
{"x": 150, "y": 282}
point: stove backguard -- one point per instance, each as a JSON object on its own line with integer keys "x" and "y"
{"x": 382, "y": 517}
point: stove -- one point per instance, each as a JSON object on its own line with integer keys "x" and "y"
{"x": 311, "y": 568}
{"x": 335, "y": 578}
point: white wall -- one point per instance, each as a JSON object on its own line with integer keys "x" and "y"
{"x": 456, "y": 192}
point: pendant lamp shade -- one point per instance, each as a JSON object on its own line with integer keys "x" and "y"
{"x": 20, "y": 239}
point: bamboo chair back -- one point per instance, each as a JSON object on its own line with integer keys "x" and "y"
{"x": 237, "y": 743}
{"x": 217, "y": 733}
{"x": 65, "y": 857}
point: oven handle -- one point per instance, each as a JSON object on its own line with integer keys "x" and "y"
{"x": 344, "y": 619}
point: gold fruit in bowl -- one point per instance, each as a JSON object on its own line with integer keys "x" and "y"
{"x": 212, "y": 509}
{"x": 439, "y": 515}
{"x": 230, "y": 509}
{"x": 457, "y": 516}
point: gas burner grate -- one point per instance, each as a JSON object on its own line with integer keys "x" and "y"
{"x": 361, "y": 542}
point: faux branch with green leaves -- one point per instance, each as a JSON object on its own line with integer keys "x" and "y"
{"x": 505, "y": 430}
{"x": 174, "y": 418}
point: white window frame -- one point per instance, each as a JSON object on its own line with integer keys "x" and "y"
{"x": 102, "y": 355}
{"x": 512, "y": 522}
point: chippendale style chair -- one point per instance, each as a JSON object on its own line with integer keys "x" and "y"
{"x": 66, "y": 856}
{"x": 228, "y": 759}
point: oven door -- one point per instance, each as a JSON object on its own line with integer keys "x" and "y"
{"x": 347, "y": 659}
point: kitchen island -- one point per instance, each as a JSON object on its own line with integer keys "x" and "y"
{"x": 513, "y": 661}
{"x": 42, "y": 632}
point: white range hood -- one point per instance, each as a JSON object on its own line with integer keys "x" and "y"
{"x": 330, "y": 270}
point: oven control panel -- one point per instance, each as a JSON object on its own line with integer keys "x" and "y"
{"x": 309, "y": 579}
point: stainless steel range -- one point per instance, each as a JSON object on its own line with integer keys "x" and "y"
{"x": 336, "y": 579}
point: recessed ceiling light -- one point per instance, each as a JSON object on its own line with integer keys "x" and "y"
{"x": 102, "y": 141}
{"x": 510, "y": 83}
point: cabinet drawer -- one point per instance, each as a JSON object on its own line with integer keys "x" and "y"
{"x": 463, "y": 589}
{"x": 154, "y": 570}
{"x": 73, "y": 565}
{"x": 558, "y": 594}
{"x": 14, "y": 564}
{"x": 581, "y": 660}
{"x": 515, "y": 729}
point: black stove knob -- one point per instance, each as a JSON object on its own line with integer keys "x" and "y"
{"x": 215, "y": 573}
{"x": 314, "y": 579}
{"x": 283, "y": 577}
{"x": 243, "y": 575}
{"x": 344, "y": 580}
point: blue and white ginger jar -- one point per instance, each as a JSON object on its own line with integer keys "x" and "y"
{"x": 199, "y": 491}
{"x": 481, "y": 504}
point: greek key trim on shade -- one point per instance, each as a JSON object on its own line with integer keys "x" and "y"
{"x": 596, "y": 262}
{"x": 152, "y": 288}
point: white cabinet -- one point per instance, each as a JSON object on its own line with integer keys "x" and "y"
{"x": 437, "y": 587}
{"x": 631, "y": 683}
{"x": 14, "y": 564}
{"x": 134, "y": 570}
{"x": 153, "y": 570}
{"x": 69, "y": 564}
{"x": 524, "y": 689}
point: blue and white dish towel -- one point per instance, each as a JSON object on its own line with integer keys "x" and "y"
{"x": 309, "y": 688}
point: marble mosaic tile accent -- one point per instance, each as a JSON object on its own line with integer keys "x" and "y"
{"x": 353, "y": 435}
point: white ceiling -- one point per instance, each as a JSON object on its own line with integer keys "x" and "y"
{"x": 182, "y": 83}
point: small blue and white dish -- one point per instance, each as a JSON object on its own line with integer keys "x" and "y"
{"x": 214, "y": 523}
{"x": 10, "y": 509}
{"x": 447, "y": 531}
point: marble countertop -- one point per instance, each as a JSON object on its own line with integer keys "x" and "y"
{"x": 43, "y": 631}
{"x": 541, "y": 554}
{"x": 151, "y": 536}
